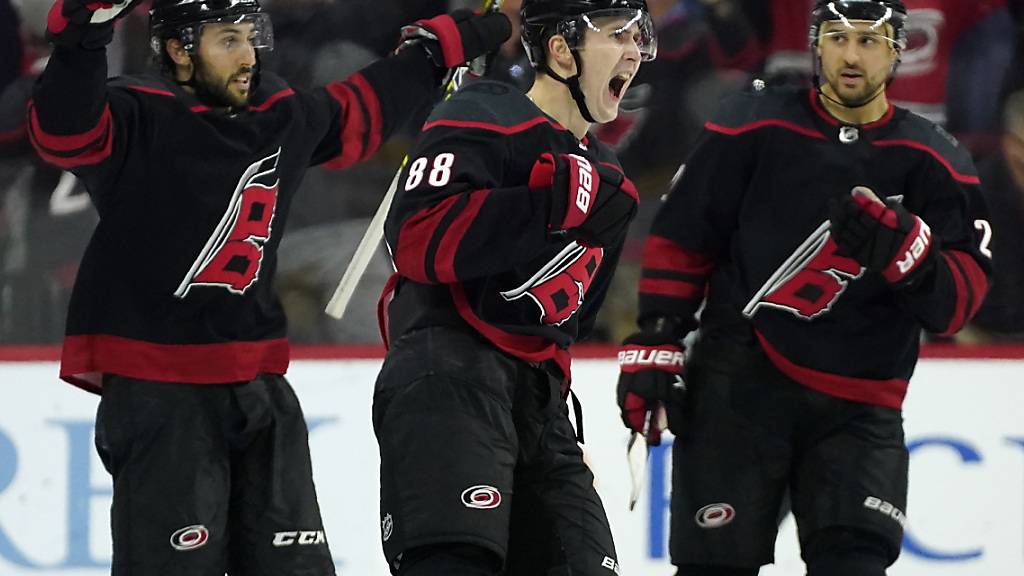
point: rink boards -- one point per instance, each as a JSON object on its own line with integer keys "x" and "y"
{"x": 963, "y": 420}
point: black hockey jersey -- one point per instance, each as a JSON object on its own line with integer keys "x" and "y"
{"x": 45, "y": 221}
{"x": 175, "y": 284}
{"x": 470, "y": 239}
{"x": 746, "y": 225}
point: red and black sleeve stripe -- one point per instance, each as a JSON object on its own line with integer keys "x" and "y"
{"x": 673, "y": 280}
{"x": 69, "y": 120}
{"x": 671, "y": 271}
{"x": 360, "y": 120}
{"x": 970, "y": 286}
{"x": 70, "y": 151}
{"x": 430, "y": 239}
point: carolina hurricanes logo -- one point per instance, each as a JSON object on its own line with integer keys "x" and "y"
{"x": 715, "y": 515}
{"x": 481, "y": 497}
{"x": 923, "y": 33}
{"x": 559, "y": 287}
{"x": 233, "y": 254}
{"x": 189, "y": 537}
{"x": 810, "y": 281}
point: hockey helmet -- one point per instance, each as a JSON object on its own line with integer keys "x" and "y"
{"x": 881, "y": 12}
{"x": 182, "y": 19}
{"x": 542, "y": 19}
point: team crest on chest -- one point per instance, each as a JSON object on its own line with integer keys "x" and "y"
{"x": 233, "y": 254}
{"x": 810, "y": 281}
{"x": 559, "y": 287}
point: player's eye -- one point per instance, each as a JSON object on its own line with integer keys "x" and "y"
{"x": 624, "y": 36}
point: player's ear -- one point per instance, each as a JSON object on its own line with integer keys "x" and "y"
{"x": 177, "y": 52}
{"x": 560, "y": 54}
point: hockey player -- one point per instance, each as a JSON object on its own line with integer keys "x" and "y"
{"x": 815, "y": 298}
{"x": 505, "y": 231}
{"x": 172, "y": 316}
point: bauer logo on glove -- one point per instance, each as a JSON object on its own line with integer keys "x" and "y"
{"x": 636, "y": 358}
{"x": 882, "y": 236}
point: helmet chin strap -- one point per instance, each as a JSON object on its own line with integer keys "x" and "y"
{"x": 881, "y": 90}
{"x": 573, "y": 83}
{"x": 191, "y": 82}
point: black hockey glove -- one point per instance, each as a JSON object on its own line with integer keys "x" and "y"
{"x": 85, "y": 23}
{"x": 882, "y": 237}
{"x": 590, "y": 203}
{"x": 454, "y": 39}
{"x": 650, "y": 378}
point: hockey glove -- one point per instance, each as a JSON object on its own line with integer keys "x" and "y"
{"x": 591, "y": 203}
{"x": 454, "y": 39}
{"x": 85, "y": 23}
{"x": 882, "y": 237}
{"x": 650, "y": 378}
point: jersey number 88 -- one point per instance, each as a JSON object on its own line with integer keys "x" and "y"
{"x": 440, "y": 173}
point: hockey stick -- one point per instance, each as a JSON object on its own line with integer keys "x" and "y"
{"x": 375, "y": 231}
{"x": 638, "y": 450}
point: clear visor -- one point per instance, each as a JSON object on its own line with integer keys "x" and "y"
{"x": 618, "y": 21}
{"x": 261, "y": 37}
{"x": 875, "y": 15}
{"x": 875, "y": 29}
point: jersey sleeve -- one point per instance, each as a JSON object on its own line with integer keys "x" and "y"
{"x": 454, "y": 216}
{"x": 366, "y": 108}
{"x": 691, "y": 230}
{"x": 957, "y": 214}
{"x": 76, "y": 123}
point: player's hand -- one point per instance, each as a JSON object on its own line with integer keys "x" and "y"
{"x": 85, "y": 23}
{"x": 650, "y": 378}
{"x": 454, "y": 39}
{"x": 591, "y": 203}
{"x": 882, "y": 236}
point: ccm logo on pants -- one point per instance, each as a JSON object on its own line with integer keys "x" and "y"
{"x": 302, "y": 538}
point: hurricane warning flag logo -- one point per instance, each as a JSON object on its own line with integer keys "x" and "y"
{"x": 559, "y": 287}
{"x": 233, "y": 254}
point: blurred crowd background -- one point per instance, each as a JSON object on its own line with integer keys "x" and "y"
{"x": 963, "y": 68}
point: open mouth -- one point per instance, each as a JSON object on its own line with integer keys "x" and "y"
{"x": 242, "y": 82}
{"x": 617, "y": 85}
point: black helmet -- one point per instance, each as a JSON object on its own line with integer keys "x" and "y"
{"x": 181, "y": 18}
{"x": 891, "y": 12}
{"x": 542, "y": 19}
